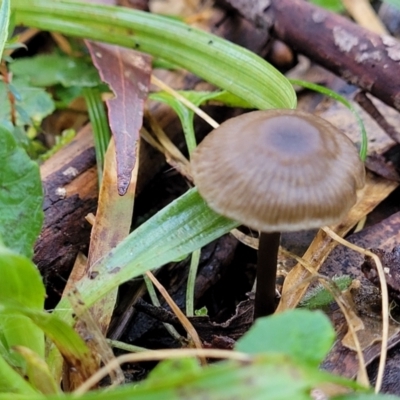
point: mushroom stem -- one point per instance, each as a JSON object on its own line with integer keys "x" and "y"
{"x": 268, "y": 248}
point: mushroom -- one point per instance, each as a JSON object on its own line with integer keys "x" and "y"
{"x": 274, "y": 171}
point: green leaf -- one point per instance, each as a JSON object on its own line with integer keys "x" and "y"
{"x": 68, "y": 342}
{"x": 173, "y": 369}
{"x": 21, "y": 196}
{"x": 26, "y": 140}
{"x": 265, "y": 377}
{"x": 332, "y": 5}
{"x": 303, "y": 335}
{"x": 216, "y": 60}
{"x": 20, "y": 280}
{"x": 65, "y": 338}
{"x": 17, "y": 330}
{"x": 262, "y": 379}
{"x": 12, "y": 382}
{"x": 4, "y": 23}
{"x": 201, "y": 312}
{"x": 319, "y": 296}
{"x": 65, "y": 95}
{"x": 51, "y": 69}
{"x": 21, "y": 284}
{"x": 33, "y": 104}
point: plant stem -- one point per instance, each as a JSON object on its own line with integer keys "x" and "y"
{"x": 194, "y": 264}
{"x": 264, "y": 303}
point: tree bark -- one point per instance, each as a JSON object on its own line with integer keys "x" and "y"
{"x": 360, "y": 57}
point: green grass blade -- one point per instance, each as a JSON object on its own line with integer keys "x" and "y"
{"x": 100, "y": 127}
{"x": 180, "y": 228}
{"x": 216, "y": 60}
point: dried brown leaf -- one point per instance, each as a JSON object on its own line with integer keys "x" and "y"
{"x": 127, "y": 72}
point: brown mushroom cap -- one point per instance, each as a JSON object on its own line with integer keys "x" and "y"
{"x": 278, "y": 170}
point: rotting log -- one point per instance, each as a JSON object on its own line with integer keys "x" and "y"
{"x": 360, "y": 57}
{"x": 70, "y": 189}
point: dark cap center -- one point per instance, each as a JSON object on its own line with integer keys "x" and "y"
{"x": 292, "y": 136}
